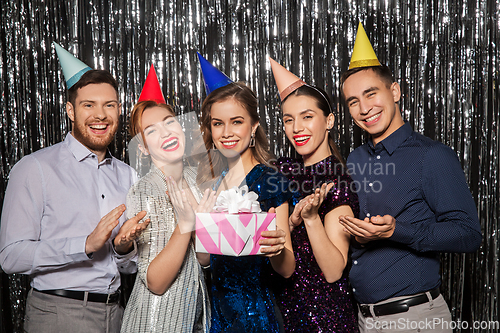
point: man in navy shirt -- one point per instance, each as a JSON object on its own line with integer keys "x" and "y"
{"x": 414, "y": 204}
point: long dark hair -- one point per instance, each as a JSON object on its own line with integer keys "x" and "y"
{"x": 243, "y": 95}
{"x": 324, "y": 104}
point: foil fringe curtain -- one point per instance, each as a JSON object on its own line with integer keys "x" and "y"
{"x": 444, "y": 53}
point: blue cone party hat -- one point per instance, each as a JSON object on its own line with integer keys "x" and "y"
{"x": 213, "y": 77}
{"x": 73, "y": 69}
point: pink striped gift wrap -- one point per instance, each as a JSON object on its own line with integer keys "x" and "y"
{"x": 232, "y": 234}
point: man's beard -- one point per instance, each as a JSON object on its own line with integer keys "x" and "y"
{"x": 91, "y": 142}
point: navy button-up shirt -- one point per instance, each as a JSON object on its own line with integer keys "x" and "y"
{"x": 421, "y": 184}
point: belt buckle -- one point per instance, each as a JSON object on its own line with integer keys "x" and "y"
{"x": 365, "y": 310}
{"x": 110, "y": 296}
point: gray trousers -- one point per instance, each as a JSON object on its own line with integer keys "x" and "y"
{"x": 48, "y": 313}
{"x": 433, "y": 316}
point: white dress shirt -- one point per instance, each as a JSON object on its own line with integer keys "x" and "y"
{"x": 55, "y": 198}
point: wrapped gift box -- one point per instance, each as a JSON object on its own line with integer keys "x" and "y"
{"x": 232, "y": 234}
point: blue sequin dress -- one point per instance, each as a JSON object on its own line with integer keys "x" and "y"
{"x": 307, "y": 301}
{"x": 242, "y": 300}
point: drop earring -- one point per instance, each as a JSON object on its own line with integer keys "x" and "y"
{"x": 252, "y": 141}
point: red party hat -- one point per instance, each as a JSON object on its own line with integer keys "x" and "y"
{"x": 151, "y": 90}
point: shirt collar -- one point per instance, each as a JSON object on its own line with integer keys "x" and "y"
{"x": 80, "y": 151}
{"x": 393, "y": 141}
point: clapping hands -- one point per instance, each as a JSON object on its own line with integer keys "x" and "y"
{"x": 130, "y": 231}
{"x": 186, "y": 215}
{"x": 307, "y": 208}
{"x": 123, "y": 241}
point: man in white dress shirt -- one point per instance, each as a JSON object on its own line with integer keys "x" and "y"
{"x": 62, "y": 219}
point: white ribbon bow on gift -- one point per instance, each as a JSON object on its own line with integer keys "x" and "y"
{"x": 237, "y": 200}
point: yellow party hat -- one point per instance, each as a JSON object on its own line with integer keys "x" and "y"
{"x": 362, "y": 53}
{"x": 286, "y": 81}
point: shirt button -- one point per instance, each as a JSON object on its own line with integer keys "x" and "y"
{"x": 353, "y": 290}
{"x": 355, "y": 262}
{"x": 378, "y": 157}
{"x": 367, "y": 214}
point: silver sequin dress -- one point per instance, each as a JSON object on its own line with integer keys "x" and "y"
{"x": 184, "y": 306}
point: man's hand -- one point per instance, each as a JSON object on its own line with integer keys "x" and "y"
{"x": 130, "y": 231}
{"x": 378, "y": 227}
{"x": 100, "y": 235}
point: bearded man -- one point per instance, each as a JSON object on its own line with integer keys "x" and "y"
{"x": 62, "y": 218}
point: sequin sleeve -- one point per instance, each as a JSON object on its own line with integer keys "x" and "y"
{"x": 342, "y": 192}
{"x": 272, "y": 187}
{"x": 146, "y": 195}
{"x": 289, "y": 167}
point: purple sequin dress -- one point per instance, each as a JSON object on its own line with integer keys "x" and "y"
{"x": 309, "y": 303}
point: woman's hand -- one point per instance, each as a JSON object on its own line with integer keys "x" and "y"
{"x": 184, "y": 212}
{"x": 207, "y": 203}
{"x": 313, "y": 201}
{"x": 307, "y": 208}
{"x": 295, "y": 218}
{"x": 273, "y": 241}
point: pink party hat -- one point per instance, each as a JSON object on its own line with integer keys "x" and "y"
{"x": 286, "y": 81}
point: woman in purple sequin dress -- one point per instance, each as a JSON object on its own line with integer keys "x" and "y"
{"x": 316, "y": 298}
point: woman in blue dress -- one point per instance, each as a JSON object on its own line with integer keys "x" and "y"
{"x": 242, "y": 300}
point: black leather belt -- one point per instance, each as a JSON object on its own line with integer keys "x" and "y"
{"x": 80, "y": 295}
{"x": 399, "y": 306}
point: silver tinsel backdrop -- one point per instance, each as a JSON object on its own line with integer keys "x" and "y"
{"x": 444, "y": 53}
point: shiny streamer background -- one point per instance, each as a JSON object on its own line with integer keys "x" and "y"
{"x": 444, "y": 53}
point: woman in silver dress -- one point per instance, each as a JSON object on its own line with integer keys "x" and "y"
{"x": 169, "y": 294}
